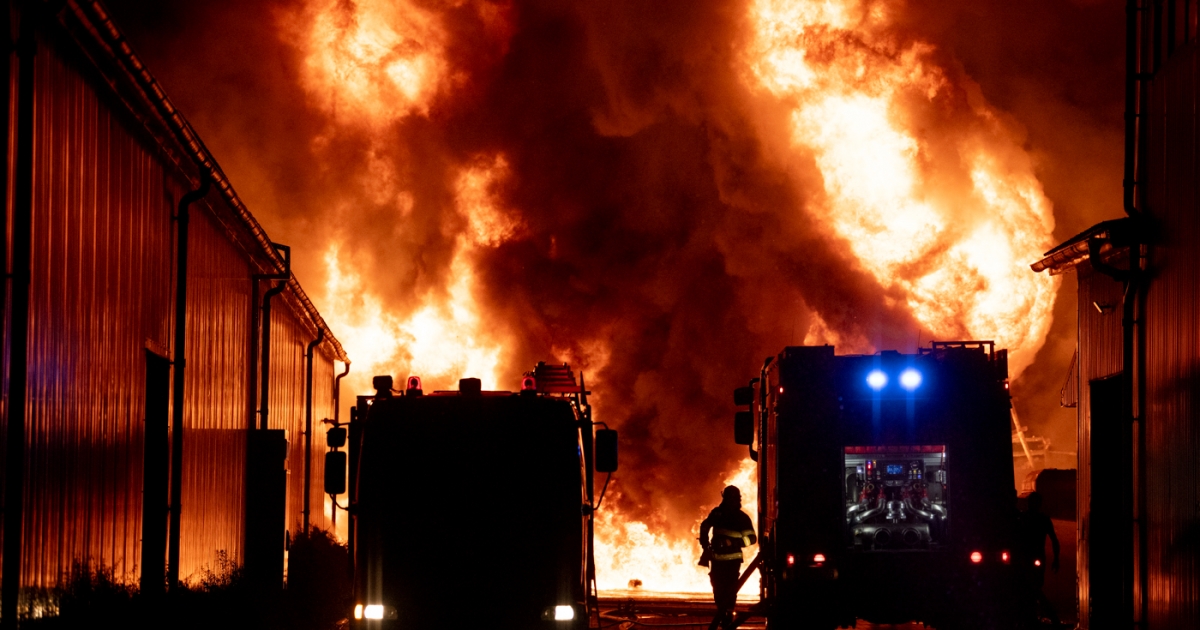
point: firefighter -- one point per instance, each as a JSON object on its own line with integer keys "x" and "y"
{"x": 1033, "y": 527}
{"x": 731, "y": 531}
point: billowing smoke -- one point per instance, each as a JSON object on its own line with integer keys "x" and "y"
{"x": 479, "y": 186}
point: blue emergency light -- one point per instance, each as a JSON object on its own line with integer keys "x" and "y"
{"x": 876, "y": 380}
{"x": 910, "y": 379}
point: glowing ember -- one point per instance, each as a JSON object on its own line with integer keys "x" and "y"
{"x": 950, "y": 222}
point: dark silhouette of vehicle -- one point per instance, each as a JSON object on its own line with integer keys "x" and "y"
{"x": 885, "y": 486}
{"x": 472, "y": 509}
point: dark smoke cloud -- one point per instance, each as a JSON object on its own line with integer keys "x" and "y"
{"x": 653, "y": 218}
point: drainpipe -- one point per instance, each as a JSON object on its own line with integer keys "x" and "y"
{"x": 177, "y": 389}
{"x": 337, "y": 393}
{"x": 265, "y": 369}
{"x": 308, "y": 405}
{"x": 22, "y": 245}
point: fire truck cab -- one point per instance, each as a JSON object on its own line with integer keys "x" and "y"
{"x": 885, "y": 485}
{"x": 472, "y": 509}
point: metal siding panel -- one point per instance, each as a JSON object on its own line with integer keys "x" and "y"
{"x": 287, "y": 401}
{"x": 1172, "y": 347}
{"x": 101, "y": 260}
{"x": 1099, "y": 356}
{"x": 102, "y": 292}
{"x": 213, "y": 499}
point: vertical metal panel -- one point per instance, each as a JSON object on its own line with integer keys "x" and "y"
{"x": 102, "y": 294}
{"x": 101, "y": 287}
{"x": 1100, "y": 300}
{"x": 214, "y": 456}
{"x": 1172, "y": 346}
{"x": 289, "y": 341}
{"x": 323, "y": 373}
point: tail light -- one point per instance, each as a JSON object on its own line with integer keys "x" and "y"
{"x": 976, "y": 557}
{"x": 818, "y": 558}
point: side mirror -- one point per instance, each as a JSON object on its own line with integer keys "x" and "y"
{"x": 743, "y": 396}
{"x": 606, "y": 450}
{"x": 743, "y": 428}
{"x": 335, "y": 472}
{"x": 336, "y": 437}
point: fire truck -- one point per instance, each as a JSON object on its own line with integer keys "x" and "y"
{"x": 885, "y": 486}
{"x": 471, "y": 508}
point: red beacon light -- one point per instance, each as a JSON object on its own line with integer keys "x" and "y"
{"x": 976, "y": 557}
{"x": 529, "y": 386}
{"x": 791, "y": 560}
{"x": 1004, "y": 557}
{"x": 819, "y": 558}
{"x": 414, "y": 386}
{"x": 1037, "y": 563}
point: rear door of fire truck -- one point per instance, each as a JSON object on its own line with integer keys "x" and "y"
{"x": 469, "y": 512}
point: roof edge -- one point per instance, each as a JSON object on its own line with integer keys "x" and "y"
{"x": 97, "y": 22}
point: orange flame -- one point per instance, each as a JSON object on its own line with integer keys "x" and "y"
{"x": 949, "y": 223}
{"x": 373, "y": 61}
{"x": 444, "y": 338}
{"x": 630, "y": 557}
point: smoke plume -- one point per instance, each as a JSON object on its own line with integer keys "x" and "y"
{"x": 609, "y": 183}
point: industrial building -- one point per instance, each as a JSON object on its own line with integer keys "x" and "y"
{"x": 157, "y": 351}
{"x": 1137, "y": 378}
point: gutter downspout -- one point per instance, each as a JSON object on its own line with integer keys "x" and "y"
{"x": 265, "y": 369}
{"x": 180, "y": 363}
{"x": 337, "y": 403}
{"x": 1135, "y": 93}
{"x": 22, "y": 245}
{"x": 308, "y": 405}
{"x": 265, "y": 376}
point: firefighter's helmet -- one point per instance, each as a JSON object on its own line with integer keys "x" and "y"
{"x": 731, "y": 492}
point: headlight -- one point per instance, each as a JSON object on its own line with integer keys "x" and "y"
{"x": 559, "y": 613}
{"x": 374, "y": 611}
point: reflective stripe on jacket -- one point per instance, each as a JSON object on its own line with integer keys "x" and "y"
{"x": 731, "y": 531}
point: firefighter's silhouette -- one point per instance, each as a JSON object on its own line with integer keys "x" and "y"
{"x": 731, "y": 530}
{"x": 1033, "y": 527}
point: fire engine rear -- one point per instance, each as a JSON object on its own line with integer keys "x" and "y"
{"x": 885, "y": 485}
{"x": 472, "y": 509}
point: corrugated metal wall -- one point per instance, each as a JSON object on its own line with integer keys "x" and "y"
{"x": 101, "y": 292}
{"x": 289, "y": 341}
{"x": 102, "y": 296}
{"x": 1171, "y": 172}
{"x": 1100, "y": 299}
{"x": 214, "y": 446}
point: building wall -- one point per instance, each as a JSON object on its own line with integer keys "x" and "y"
{"x": 1099, "y": 357}
{"x": 105, "y": 191}
{"x": 1171, "y": 171}
{"x": 101, "y": 293}
{"x": 217, "y": 374}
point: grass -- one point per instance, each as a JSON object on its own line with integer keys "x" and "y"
{"x": 317, "y": 596}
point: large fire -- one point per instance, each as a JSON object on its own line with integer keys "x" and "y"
{"x": 897, "y": 157}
